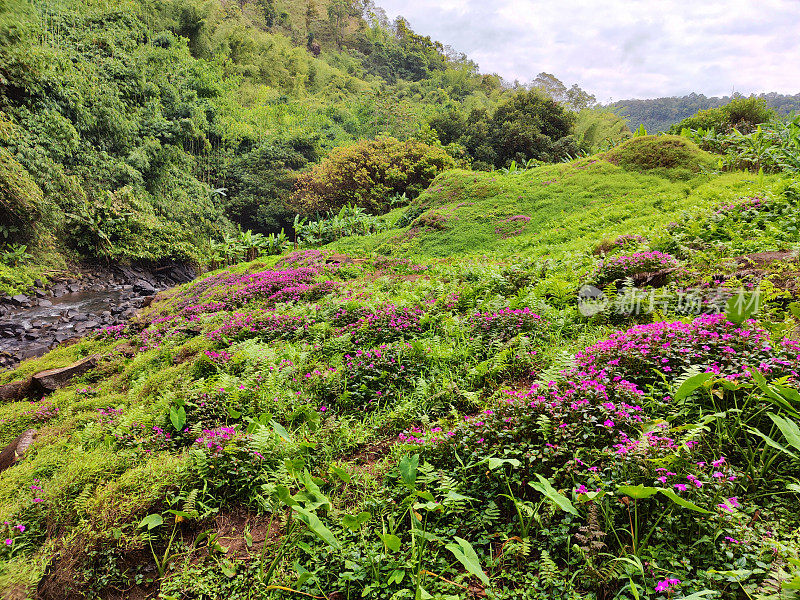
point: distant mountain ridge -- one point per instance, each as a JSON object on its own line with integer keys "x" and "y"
{"x": 657, "y": 114}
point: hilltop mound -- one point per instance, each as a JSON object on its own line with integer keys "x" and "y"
{"x": 545, "y": 211}
{"x": 661, "y": 154}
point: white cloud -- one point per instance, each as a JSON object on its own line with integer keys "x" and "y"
{"x": 624, "y": 48}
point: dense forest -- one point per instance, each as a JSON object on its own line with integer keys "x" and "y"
{"x": 145, "y": 131}
{"x": 659, "y": 114}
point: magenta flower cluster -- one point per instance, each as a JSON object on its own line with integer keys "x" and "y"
{"x": 742, "y": 205}
{"x": 9, "y": 536}
{"x": 220, "y": 357}
{"x": 628, "y": 240}
{"x": 618, "y": 267}
{"x": 504, "y": 324}
{"x": 41, "y": 412}
{"x": 216, "y": 439}
{"x": 384, "y": 323}
{"x": 710, "y": 341}
{"x": 269, "y": 326}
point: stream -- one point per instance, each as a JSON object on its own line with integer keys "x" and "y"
{"x": 32, "y": 324}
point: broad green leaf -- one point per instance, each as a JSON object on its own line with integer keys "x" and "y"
{"x": 789, "y": 429}
{"x": 691, "y": 384}
{"x": 354, "y": 523}
{"x": 637, "y": 492}
{"x": 294, "y": 465}
{"x": 456, "y": 497}
{"x": 316, "y": 526}
{"x": 303, "y": 574}
{"x": 553, "y": 495}
{"x": 773, "y": 395}
{"x": 495, "y": 462}
{"x": 590, "y": 496}
{"x": 425, "y": 495}
{"x": 183, "y": 513}
{"x": 396, "y": 576}
{"x": 771, "y": 442}
{"x": 177, "y": 417}
{"x": 340, "y": 473}
{"x": 788, "y": 393}
{"x": 465, "y": 554}
{"x": 682, "y": 501}
{"x": 392, "y": 542}
{"x": 281, "y": 431}
{"x": 151, "y": 521}
{"x": 793, "y": 487}
{"x": 408, "y": 469}
{"x": 228, "y": 568}
{"x": 285, "y": 496}
{"x": 741, "y": 307}
{"x": 312, "y": 496}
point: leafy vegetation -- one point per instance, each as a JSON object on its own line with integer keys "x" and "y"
{"x": 368, "y": 173}
{"x": 375, "y": 427}
{"x": 660, "y": 114}
{"x": 545, "y": 373}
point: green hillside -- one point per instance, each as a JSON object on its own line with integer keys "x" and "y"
{"x": 426, "y": 412}
{"x": 548, "y": 211}
{"x": 450, "y": 337}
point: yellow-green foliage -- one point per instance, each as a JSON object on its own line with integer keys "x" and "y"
{"x": 134, "y": 493}
{"x": 62, "y": 356}
{"x": 546, "y": 211}
{"x": 20, "y": 197}
{"x": 661, "y": 154}
{"x": 368, "y": 173}
{"x": 599, "y": 129}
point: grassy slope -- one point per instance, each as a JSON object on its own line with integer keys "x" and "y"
{"x": 96, "y": 488}
{"x": 571, "y": 207}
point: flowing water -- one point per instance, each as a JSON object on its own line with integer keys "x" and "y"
{"x": 27, "y": 332}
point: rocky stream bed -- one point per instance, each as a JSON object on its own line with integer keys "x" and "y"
{"x": 68, "y": 308}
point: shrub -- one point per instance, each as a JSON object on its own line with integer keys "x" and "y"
{"x": 743, "y": 114}
{"x": 743, "y": 223}
{"x": 349, "y": 221}
{"x": 650, "y": 152}
{"x": 20, "y": 198}
{"x": 265, "y": 326}
{"x": 258, "y": 182}
{"x": 710, "y": 342}
{"x": 369, "y": 378}
{"x": 384, "y": 323}
{"x": 368, "y": 173}
{"x": 504, "y": 324}
{"x": 618, "y": 267}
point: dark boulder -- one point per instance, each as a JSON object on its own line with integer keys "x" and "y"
{"x": 54, "y": 379}
{"x": 19, "y": 299}
{"x": 16, "y": 390}
{"x": 16, "y": 449}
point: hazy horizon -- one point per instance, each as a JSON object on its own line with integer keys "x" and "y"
{"x": 623, "y": 49}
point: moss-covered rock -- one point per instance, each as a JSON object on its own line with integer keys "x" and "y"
{"x": 670, "y": 155}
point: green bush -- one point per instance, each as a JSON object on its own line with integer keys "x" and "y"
{"x": 743, "y": 114}
{"x": 258, "y": 181}
{"x": 368, "y": 173}
{"x": 20, "y": 198}
{"x": 671, "y": 152}
{"x": 527, "y": 125}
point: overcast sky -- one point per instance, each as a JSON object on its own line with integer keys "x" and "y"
{"x": 620, "y": 49}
